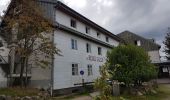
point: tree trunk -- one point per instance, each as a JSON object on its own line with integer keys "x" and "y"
{"x": 26, "y": 77}
{"x": 23, "y": 60}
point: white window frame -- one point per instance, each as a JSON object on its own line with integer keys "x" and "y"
{"x": 107, "y": 39}
{"x": 75, "y": 71}
{"x": 73, "y": 23}
{"x": 89, "y": 69}
{"x": 98, "y": 35}
{"x": 87, "y": 29}
{"x": 99, "y": 51}
{"x": 88, "y": 48}
{"x": 138, "y": 42}
{"x": 74, "y": 44}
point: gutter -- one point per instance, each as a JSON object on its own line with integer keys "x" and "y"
{"x": 82, "y": 35}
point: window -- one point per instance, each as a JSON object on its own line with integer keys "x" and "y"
{"x": 87, "y": 30}
{"x": 99, "y": 51}
{"x": 74, "y": 44}
{"x": 1, "y": 43}
{"x": 138, "y": 42}
{"x": 107, "y": 39}
{"x": 89, "y": 68}
{"x": 74, "y": 69}
{"x": 88, "y": 48}
{"x": 98, "y": 35}
{"x": 73, "y": 23}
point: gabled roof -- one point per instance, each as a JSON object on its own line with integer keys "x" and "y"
{"x": 62, "y": 7}
{"x": 55, "y": 4}
{"x": 130, "y": 38}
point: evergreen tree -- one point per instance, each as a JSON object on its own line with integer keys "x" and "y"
{"x": 167, "y": 44}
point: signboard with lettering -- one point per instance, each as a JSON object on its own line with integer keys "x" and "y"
{"x": 94, "y": 58}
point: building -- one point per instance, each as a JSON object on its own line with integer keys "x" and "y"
{"x": 152, "y": 48}
{"x": 148, "y": 45}
{"x": 83, "y": 46}
{"x": 4, "y": 51}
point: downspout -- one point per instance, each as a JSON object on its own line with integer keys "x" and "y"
{"x": 52, "y": 68}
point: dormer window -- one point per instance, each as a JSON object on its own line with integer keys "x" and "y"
{"x": 87, "y": 30}
{"x": 138, "y": 42}
{"x": 73, "y": 23}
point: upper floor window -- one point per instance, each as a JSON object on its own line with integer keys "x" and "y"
{"x": 107, "y": 39}
{"x": 88, "y": 48}
{"x": 1, "y": 43}
{"x": 138, "y": 42}
{"x": 73, "y": 44}
{"x": 73, "y": 23}
{"x": 87, "y": 30}
{"x": 99, "y": 51}
{"x": 90, "y": 70}
{"x": 74, "y": 69}
{"x": 98, "y": 35}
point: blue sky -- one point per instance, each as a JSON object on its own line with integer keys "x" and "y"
{"x": 147, "y": 18}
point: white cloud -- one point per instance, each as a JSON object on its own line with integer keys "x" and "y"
{"x": 76, "y": 3}
{"x": 3, "y": 5}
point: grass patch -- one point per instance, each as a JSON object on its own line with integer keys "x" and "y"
{"x": 163, "y": 92}
{"x": 21, "y": 92}
{"x": 71, "y": 96}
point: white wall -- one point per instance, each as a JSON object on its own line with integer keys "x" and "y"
{"x": 4, "y": 52}
{"x": 154, "y": 56}
{"x": 63, "y": 64}
{"x": 64, "y": 19}
{"x": 3, "y": 79}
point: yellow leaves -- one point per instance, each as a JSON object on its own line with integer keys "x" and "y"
{"x": 32, "y": 23}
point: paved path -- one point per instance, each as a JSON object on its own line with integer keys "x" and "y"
{"x": 87, "y": 97}
{"x": 83, "y": 98}
{"x": 163, "y": 81}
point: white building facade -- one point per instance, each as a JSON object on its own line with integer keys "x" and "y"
{"x": 83, "y": 46}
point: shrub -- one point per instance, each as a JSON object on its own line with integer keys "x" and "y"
{"x": 130, "y": 64}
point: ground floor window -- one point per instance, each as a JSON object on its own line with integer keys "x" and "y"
{"x": 74, "y": 69}
{"x": 90, "y": 71}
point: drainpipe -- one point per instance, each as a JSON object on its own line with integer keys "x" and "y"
{"x": 52, "y": 68}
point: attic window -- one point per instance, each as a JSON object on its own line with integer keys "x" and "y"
{"x": 138, "y": 42}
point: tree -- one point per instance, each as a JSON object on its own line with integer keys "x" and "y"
{"x": 34, "y": 33}
{"x": 167, "y": 44}
{"x": 134, "y": 65}
{"x": 102, "y": 85}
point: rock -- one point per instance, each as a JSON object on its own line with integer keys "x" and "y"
{"x": 2, "y": 97}
{"x": 139, "y": 93}
{"x": 27, "y": 98}
{"x": 17, "y": 98}
{"x": 8, "y": 98}
{"x": 153, "y": 91}
{"x": 35, "y": 97}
